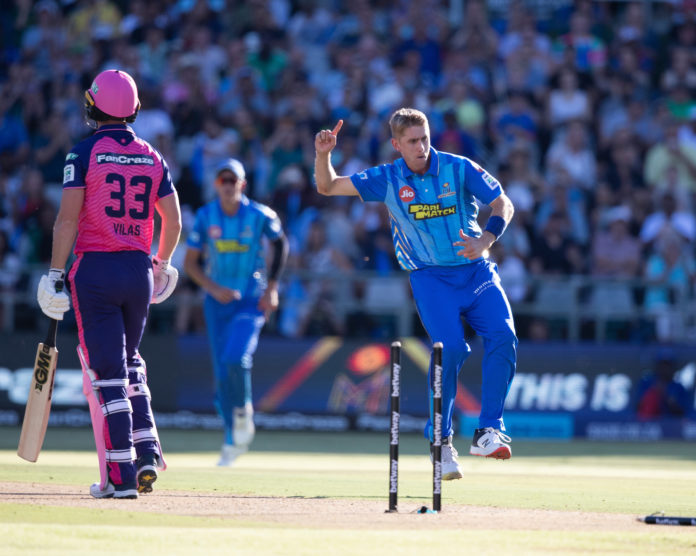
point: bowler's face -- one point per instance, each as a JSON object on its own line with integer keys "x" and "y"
{"x": 414, "y": 146}
{"x": 229, "y": 186}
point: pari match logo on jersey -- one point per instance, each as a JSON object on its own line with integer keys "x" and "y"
{"x": 427, "y": 211}
{"x": 230, "y": 246}
{"x": 424, "y": 211}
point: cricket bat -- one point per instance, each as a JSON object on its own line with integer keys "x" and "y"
{"x": 39, "y": 400}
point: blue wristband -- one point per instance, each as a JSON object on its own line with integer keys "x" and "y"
{"x": 496, "y": 225}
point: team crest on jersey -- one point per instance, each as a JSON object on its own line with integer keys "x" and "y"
{"x": 447, "y": 192}
{"x": 215, "y": 232}
{"x": 246, "y": 232}
{"x": 426, "y": 211}
{"x": 407, "y": 194}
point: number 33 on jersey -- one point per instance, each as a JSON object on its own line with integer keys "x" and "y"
{"x": 126, "y": 177}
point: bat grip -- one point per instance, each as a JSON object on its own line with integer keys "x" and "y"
{"x": 52, "y": 333}
{"x": 53, "y": 326}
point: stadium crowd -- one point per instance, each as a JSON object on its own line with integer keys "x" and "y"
{"x": 585, "y": 111}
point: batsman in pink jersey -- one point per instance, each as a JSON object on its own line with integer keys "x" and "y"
{"x": 112, "y": 184}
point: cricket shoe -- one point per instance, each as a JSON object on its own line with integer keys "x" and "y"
{"x": 450, "y": 463}
{"x": 229, "y": 453}
{"x": 147, "y": 473}
{"x": 244, "y": 428}
{"x": 128, "y": 492}
{"x": 490, "y": 443}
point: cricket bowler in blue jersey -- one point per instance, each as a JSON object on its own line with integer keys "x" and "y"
{"x": 431, "y": 199}
{"x": 228, "y": 238}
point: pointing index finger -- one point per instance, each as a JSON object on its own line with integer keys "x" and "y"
{"x": 338, "y": 127}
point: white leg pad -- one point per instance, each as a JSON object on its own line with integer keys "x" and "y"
{"x": 150, "y": 434}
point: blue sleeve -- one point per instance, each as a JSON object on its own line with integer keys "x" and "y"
{"x": 75, "y": 167}
{"x": 197, "y": 236}
{"x": 272, "y": 228}
{"x": 372, "y": 183}
{"x": 480, "y": 183}
{"x": 166, "y": 187}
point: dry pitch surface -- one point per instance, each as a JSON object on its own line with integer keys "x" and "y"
{"x": 322, "y": 512}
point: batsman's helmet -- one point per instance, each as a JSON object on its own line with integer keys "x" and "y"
{"x": 112, "y": 96}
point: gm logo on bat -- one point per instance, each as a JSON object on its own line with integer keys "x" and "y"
{"x": 41, "y": 371}
{"x": 407, "y": 194}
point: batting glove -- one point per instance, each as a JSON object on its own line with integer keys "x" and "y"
{"x": 50, "y": 295}
{"x": 165, "y": 278}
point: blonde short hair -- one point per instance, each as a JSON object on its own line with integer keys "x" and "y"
{"x": 404, "y": 118}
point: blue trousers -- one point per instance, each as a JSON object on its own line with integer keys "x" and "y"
{"x": 233, "y": 332}
{"x": 443, "y": 295}
{"x": 111, "y": 296}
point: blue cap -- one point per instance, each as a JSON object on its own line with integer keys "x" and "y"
{"x": 232, "y": 165}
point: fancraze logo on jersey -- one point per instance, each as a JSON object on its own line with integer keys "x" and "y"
{"x": 125, "y": 159}
{"x": 230, "y": 246}
{"x": 423, "y": 212}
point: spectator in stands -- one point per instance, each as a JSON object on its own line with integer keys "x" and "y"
{"x": 321, "y": 296}
{"x": 14, "y": 137}
{"x": 264, "y": 70}
{"x": 669, "y": 154}
{"x": 623, "y": 169}
{"x": 553, "y": 252}
{"x": 50, "y": 146}
{"x": 668, "y": 218}
{"x": 10, "y": 266}
{"x": 573, "y": 153}
{"x": 589, "y": 53}
{"x": 516, "y": 122}
{"x": 512, "y": 272}
{"x": 564, "y": 197}
{"x": 567, "y": 101}
{"x": 659, "y": 394}
{"x": 616, "y": 253}
{"x": 670, "y": 271}
{"x": 44, "y": 41}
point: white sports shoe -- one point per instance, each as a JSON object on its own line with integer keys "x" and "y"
{"x": 229, "y": 453}
{"x": 110, "y": 491}
{"x": 244, "y": 428}
{"x": 490, "y": 443}
{"x": 450, "y": 463}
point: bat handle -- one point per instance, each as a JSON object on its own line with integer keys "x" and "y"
{"x": 52, "y": 333}
{"x": 53, "y": 326}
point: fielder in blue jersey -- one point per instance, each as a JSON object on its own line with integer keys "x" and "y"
{"x": 226, "y": 257}
{"x": 431, "y": 198}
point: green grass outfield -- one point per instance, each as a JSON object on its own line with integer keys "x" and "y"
{"x": 543, "y": 480}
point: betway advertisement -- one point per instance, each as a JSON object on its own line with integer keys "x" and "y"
{"x": 560, "y": 391}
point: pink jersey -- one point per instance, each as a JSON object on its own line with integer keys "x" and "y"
{"x": 123, "y": 177}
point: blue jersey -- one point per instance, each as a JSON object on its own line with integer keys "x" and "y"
{"x": 233, "y": 246}
{"x": 427, "y": 211}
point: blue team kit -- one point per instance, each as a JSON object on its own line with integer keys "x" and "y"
{"x": 426, "y": 212}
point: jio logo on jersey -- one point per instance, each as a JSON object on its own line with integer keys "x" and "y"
{"x": 214, "y": 232}
{"x": 407, "y": 194}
